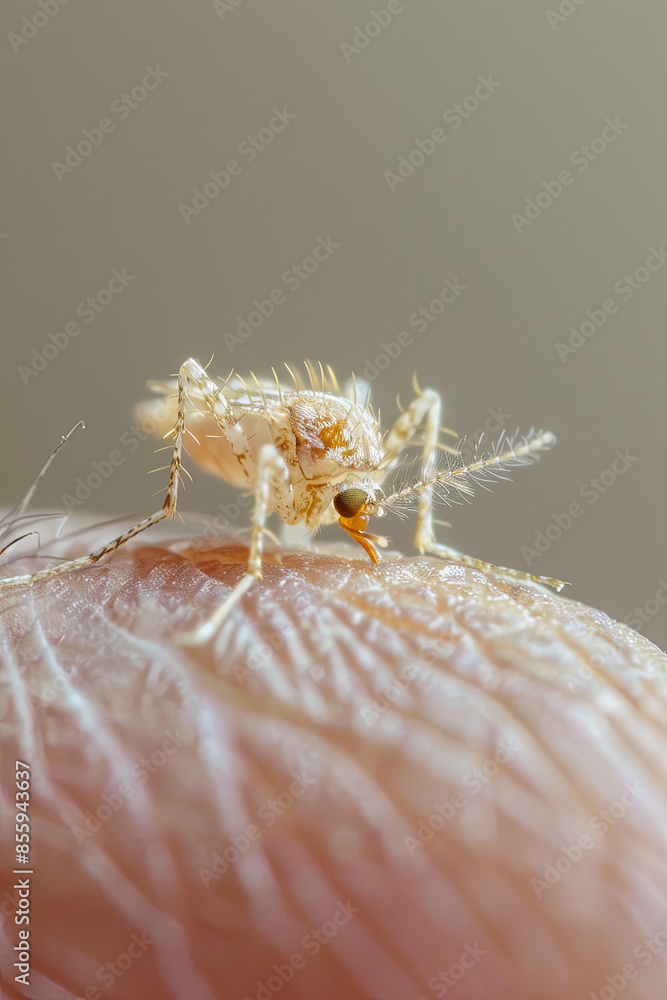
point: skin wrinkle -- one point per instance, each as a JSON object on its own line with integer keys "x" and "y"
{"x": 581, "y": 792}
{"x": 328, "y": 887}
{"x": 462, "y": 886}
{"x": 64, "y": 805}
{"x": 223, "y": 765}
{"x": 463, "y": 894}
{"x": 632, "y": 701}
{"x": 501, "y": 706}
{"x": 386, "y": 942}
{"x": 605, "y": 677}
{"x": 356, "y": 959}
{"x": 113, "y": 883}
{"x": 163, "y": 876}
{"x": 173, "y": 959}
{"x": 450, "y": 885}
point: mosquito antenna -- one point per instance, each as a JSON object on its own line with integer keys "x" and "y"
{"x": 461, "y": 477}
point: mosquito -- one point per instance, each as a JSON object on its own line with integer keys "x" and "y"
{"x": 315, "y": 454}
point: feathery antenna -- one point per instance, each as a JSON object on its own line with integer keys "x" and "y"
{"x": 457, "y": 481}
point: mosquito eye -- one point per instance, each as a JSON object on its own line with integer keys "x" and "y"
{"x": 349, "y": 502}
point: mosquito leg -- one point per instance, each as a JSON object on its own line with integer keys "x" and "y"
{"x": 426, "y": 409}
{"x": 168, "y": 509}
{"x": 423, "y": 413}
{"x": 410, "y": 421}
{"x": 434, "y": 548}
{"x": 272, "y": 485}
{"x": 196, "y": 378}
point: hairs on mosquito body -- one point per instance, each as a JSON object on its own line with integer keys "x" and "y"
{"x": 261, "y": 394}
{"x": 455, "y": 478}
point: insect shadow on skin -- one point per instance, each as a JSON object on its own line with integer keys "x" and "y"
{"x": 313, "y": 456}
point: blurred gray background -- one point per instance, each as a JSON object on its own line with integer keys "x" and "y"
{"x": 328, "y": 111}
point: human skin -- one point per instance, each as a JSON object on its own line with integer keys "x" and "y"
{"x": 396, "y": 782}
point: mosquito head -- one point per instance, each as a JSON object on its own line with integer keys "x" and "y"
{"x": 354, "y": 507}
